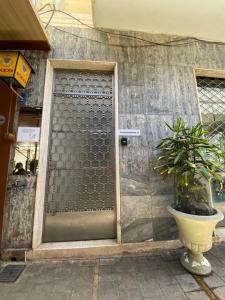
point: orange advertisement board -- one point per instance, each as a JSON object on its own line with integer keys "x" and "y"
{"x": 23, "y": 70}
{"x": 7, "y": 63}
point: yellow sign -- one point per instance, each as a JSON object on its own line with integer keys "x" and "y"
{"x": 22, "y": 72}
{"x": 7, "y": 63}
{"x": 14, "y": 68}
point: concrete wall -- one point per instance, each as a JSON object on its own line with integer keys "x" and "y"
{"x": 156, "y": 84}
{"x": 19, "y": 211}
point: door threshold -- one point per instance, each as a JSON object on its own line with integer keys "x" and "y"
{"x": 96, "y": 249}
{"x": 101, "y": 249}
{"x": 76, "y": 244}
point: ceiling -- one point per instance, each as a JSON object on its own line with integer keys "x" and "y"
{"x": 20, "y": 27}
{"x": 196, "y": 18}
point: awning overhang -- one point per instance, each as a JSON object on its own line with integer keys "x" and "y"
{"x": 20, "y": 27}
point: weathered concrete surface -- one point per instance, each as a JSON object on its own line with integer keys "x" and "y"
{"x": 156, "y": 277}
{"x": 33, "y": 95}
{"x": 155, "y": 85}
{"x": 18, "y": 214}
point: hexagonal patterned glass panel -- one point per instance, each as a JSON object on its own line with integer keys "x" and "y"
{"x": 81, "y": 155}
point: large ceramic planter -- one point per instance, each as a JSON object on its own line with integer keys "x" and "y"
{"x": 195, "y": 233}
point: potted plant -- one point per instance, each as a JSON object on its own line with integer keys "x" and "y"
{"x": 192, "y": 161}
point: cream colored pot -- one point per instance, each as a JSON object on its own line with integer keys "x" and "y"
{"x": 195, "y": 233}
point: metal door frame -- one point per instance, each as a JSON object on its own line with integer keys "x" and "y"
{"x": 44, "y": 141}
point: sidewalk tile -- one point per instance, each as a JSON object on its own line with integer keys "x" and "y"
{"x": 127, "y": 280}
{"x": 163, "y": 276}
{"x": 106, "y": 274}
{"x": 80, "y": 293}
{"x": 176, "y": 268}
{"x": 130, "y": 294}
{"x": 150, "y": 288}
{"x": 156, "y": 262}
{"x": 198, "y": 295}
{"x": 220, "y": 292}
{"x": 214, "y": 281}
{"x": 108, "y": 290}
{"x": 187, "y": 283}
{"x": 174, "y": 292}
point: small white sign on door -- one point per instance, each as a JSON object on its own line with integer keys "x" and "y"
{"x": 28, "y": 134}
{"x": 129, "y": 132}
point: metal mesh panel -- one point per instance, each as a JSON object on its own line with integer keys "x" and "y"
{"x": 211, "y": 92}
{"x": 81, "y": 156}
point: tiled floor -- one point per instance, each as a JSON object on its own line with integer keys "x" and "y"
{"x": 155, "y": 277}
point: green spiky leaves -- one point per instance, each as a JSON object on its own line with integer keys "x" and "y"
{"x": 186, "y": 155}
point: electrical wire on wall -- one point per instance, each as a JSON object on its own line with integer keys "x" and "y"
{"x": 14, "y": 91}
{"x": 43, "y": 7}
{"x": 49, "y": 21}
{"x": 147, "y": 43}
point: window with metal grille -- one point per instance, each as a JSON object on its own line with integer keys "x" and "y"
{"x": 211, "y": 94}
